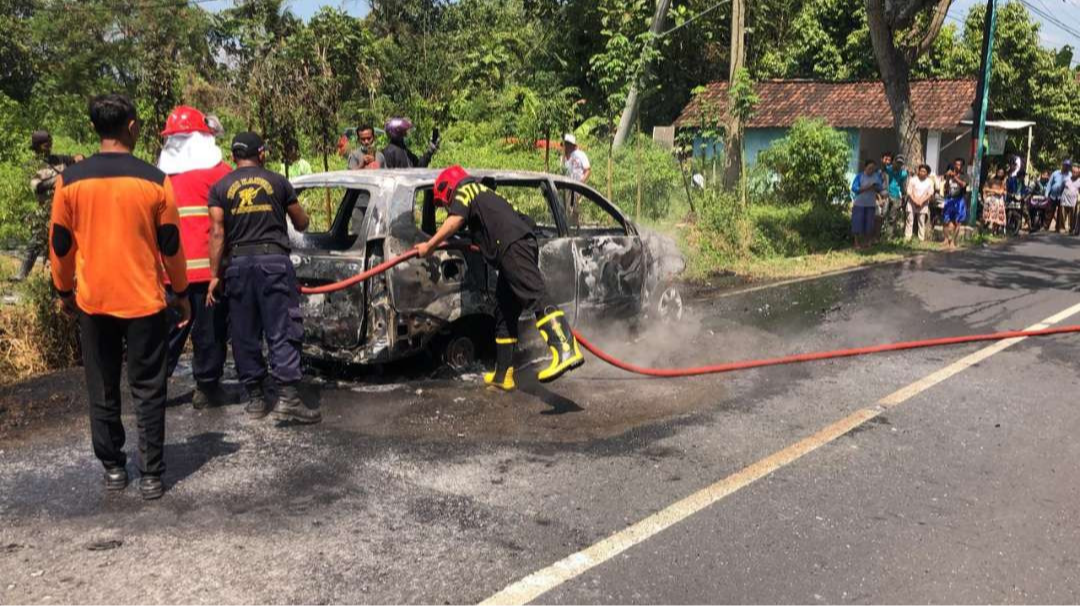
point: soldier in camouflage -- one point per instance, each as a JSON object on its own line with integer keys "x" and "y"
{"x": 47, "y": 167}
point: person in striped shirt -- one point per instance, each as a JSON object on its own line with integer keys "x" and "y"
{"x": 192, "y": 159}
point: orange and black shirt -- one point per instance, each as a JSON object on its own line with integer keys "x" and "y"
{"x": 114, "y": 224}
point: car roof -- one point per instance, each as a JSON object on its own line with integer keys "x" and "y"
{"x": 406, "y": 177}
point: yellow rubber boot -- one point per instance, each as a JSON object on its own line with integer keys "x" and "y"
{"x": 503, "y": 375}
{"x": 565, "y": 353}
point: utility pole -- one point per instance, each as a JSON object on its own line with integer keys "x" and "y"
{"x": 982, "y": 102}
{"x": 629, "y": 114}
{"x": 733, "y": 139}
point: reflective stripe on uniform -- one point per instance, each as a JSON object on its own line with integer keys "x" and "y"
{"x": 193, "y": 211}
{"x": 198, "y": 264}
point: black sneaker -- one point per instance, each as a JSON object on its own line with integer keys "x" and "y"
{"x": 116, "y": 479}
{"x": 290, "y": 408}
{"x": 256, "y": 406}
{"x": 151, "y": 488}
{"x": 208, "y": 395}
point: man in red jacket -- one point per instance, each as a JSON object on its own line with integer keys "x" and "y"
{"x": 192, "y": 160}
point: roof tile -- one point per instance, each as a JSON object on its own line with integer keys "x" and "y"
{"x": 939, "y": 104}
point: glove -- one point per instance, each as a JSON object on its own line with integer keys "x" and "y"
{"x": 433, "y": 145}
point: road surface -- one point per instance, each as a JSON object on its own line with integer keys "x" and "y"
{"x": 942, "y": 476}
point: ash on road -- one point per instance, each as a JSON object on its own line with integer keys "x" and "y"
{"x": 418, "y": 488}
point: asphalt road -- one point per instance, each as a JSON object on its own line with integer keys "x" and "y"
{"x": 420, "y": 488}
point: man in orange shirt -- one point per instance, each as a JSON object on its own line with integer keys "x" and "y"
{"x": 114, "y": 223}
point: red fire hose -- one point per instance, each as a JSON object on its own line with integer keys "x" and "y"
{"x": 732, "y": 366}
{"x": 361, "y": 277}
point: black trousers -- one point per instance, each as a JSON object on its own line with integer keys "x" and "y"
{"x": 264, "y": 304}
{"x": 209, "y": 331}
{"x": 103, "y": 342}
{"x": 520, "y": 286}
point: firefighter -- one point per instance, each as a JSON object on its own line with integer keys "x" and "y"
{"x": 191, "y": 158}
{"x": 507, "y": 243}
{"x": 248, "y": 210}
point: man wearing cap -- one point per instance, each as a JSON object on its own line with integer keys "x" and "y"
{"x": 47, "y": 167}
{"x": 249, "y": 258}
{"x": 575, "y": 162}
{"x": 191, "y": 158}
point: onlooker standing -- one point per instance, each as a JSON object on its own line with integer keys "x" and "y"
{"x": 1069, "y": 197}
{"x": 248, "y": 209}
{"x": 191, "y": 158}
{"x": 295, "y": 165}
{"x": 114, "y": 224}
{"x": 994, "y": 200}
{"x": 897, "y": 183}
{"x": 366, "y": 156}
{"x": 866, "y": 187}
{"x": 955, "y": 211}
{"x": 1053, "y": 191}
{"x": 47, "y": 167}
{"x": 397, "y": 154}
{"x": 575, "y": 162}
{"x": 920, "y": 192}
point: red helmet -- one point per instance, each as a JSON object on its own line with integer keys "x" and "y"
{"x": 186, "y": 119}
{"x": 446, "y": 183}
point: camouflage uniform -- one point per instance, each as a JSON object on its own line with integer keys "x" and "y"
{"x": 43, "y": 182}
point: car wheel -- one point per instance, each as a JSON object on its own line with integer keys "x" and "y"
{"x": 459, "y": 353}
{"x": 667, "y": 306}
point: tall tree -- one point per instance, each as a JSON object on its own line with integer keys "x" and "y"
{"x": 902, "y": 31}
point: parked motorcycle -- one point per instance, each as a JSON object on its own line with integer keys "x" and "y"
{"x": 1015, "y": 214}
{"x": 1038, "y": 212}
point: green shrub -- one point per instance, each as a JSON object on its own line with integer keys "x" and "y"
{"x": 811, "y": 163}
{"x": 640, "y": 163}
{"x": 791, "y": 231}
{"x": 723, "y": 232}
{"x": 17, "y": 202}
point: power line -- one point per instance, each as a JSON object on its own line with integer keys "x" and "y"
{"x": 1052, "y": 20}
{"x": 694, "y": 18}
{"x": 140, "y": 4}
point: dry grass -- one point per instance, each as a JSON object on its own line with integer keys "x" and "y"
{"x": 35, "y": 338}
{"x": 20, "y": 352}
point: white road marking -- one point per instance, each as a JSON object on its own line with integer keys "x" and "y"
{"x": 532, "y": 586}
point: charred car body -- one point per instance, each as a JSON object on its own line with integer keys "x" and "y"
{"x": 596, "y": 263}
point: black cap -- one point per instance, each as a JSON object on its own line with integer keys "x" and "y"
{"x": 39, "y": 137}
{"x": 247, "y": 145}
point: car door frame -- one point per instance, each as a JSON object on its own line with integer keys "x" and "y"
{"x": 611, "y": 269}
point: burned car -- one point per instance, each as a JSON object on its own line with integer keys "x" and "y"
{"x": 596, "y": 263}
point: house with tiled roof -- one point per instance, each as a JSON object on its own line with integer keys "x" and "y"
{"x": 860, "y": 109}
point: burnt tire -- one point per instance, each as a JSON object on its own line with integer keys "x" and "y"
{"x": 666, "y": 305}
{"x": 460, "y": 352}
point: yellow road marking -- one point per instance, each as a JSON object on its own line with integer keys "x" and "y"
{"x": 532, "y": 586}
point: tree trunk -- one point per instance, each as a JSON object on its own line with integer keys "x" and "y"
{"x": 894, "y": 62}
{"x": 733, "y": 140}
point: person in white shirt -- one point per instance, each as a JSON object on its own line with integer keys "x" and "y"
{"x": 575, "y": 162}
{"x": 920, "y": 191}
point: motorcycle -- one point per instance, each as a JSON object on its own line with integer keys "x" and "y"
{"x": 1038, "y": 212}
{"x": 1015, "y": 214}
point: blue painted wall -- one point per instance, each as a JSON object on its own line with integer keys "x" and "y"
{"x": 760, "y": 139}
